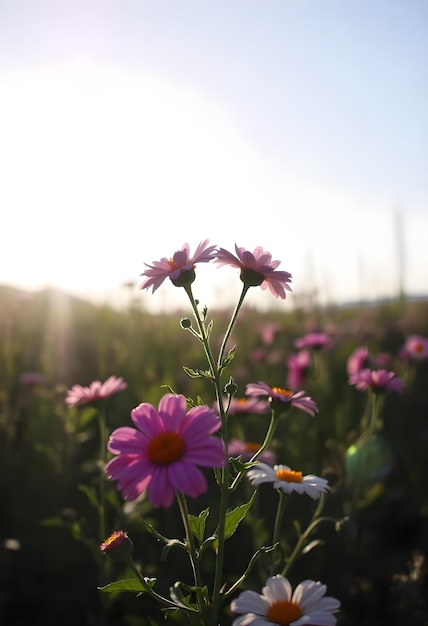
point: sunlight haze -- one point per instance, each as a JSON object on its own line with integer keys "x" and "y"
{"x": 130, "y": 128}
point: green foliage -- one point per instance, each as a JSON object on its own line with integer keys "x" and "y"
{"x": 49, "y": 458}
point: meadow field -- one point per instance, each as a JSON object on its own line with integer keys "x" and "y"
{"x": 372, "y": 549}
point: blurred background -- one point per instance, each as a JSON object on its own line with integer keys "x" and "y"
{"x": 128, "y": 128}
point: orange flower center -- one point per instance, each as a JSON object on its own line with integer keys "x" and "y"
{"x": 165, "y": 448}
{"x": 418, "y": 347}
{"x": 252, "y": 447}
{"x": 116, "y": 538}
{"x": 284, "y": 612}
{"x": 283, "y": 392}
{"x": 241, "y": 401}
{"x": 289, "y": 476}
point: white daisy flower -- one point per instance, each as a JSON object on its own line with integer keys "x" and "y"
{"x": 288, "y": 480}
{"x": 278, "y": 605}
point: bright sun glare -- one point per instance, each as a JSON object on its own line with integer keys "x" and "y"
{"x": 105, "y": 169}
{"x": 86, "y": 150}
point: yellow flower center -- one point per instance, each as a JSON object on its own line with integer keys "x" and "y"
{"x": 284, "y": 612}
{"x": 117, "y": 537}
{"x": 289, "y": 476}
{"x": 165, "y": 448}
{"x": 283, "y": 392}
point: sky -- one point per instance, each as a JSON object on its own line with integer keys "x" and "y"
{"x": 129, "y": 127}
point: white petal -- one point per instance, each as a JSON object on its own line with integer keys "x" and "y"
{"x": 250, "y": 620}
{"x": 277, "y": 588}
{"x": 316, "y": 619}
{"x": 308, "y": 594}
{"x": 250, "y": 602}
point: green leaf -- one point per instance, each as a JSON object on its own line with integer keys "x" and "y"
{"x": 169, "y": 388}
{"x": 197, "y": 373}
{"x": 229, "y": 357}
{"x": 233, "y": 519}
{"x": 152, "y": 530}
{"x": 313, "y": 544}
{"x": 197, "y": 524}
{"x": 128, "y": 584}
{"x": 90, "y": 493}
{"x": 184, "y": 599}
{"x": 86, "y": 415}
{"x": 240, "y": 467}
{"x": 172, "y": 543}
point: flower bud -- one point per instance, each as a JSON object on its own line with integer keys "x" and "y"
{"x": 278, "y": 406}
{"x": 185, "y": 323}
{"x": 251, "y": 277}
{"x": 117, "y": 546}
{"x": 185, "y": 279}
{"x": 231, "y": 388}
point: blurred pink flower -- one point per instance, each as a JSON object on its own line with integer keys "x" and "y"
{"x": 377, "y": 380}
{"x": 358, "y": 360}
{"x": 174, "y": 267}
{"x": 298, "y": 366}
{"x": 96, "y": 391}
{"x": 258, "y": 355}
{"x": 415, "y": 347}
{"x": 31, "y": 379}
{"x": 247, "y": 406}
{"x": 162, "y": 455}
{"x": 247, "y": 449}
{"x": 268, "y": 331}
{"x": 316, "y": 341}
{"x": 257, "y": 269}
{"x": 296, "y": 399}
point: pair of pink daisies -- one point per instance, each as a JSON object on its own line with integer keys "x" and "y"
{"x": 257, "y": 267}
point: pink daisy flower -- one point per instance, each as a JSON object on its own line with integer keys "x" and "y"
{"x": 247, "y": 406}
{"x": 247, "y": 449}
{"x": 377, "y": 380}
{"x": 162, "y": 455}
{"x": 316, "y": 341}
{"x": 296, "y": 399}
{"x": 31, "y": 379}
{"x": 257, "y": 268}
{"x": 268, "y": 331}
{"x": 298, "y": 366}
{"x": 179, "y": 268}
{"x": 358, "y": 360}
{"x": 96, "y": 391}
{"x": 415, "y": 347}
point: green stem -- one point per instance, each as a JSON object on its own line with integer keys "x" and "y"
{"x": 315, "y": 520}
{"x": 376, "y": 406}
{"x": 278, "y": 523}
{"x": 216, "y": 371}
{"x": 202, "y": 332}
{"x": 231, "y": 326}
{"x": 192, "y": 552}
{"x": 148, "y": 589}
{"x": 269, "y": 434}
{"x": 102, "y": 422}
